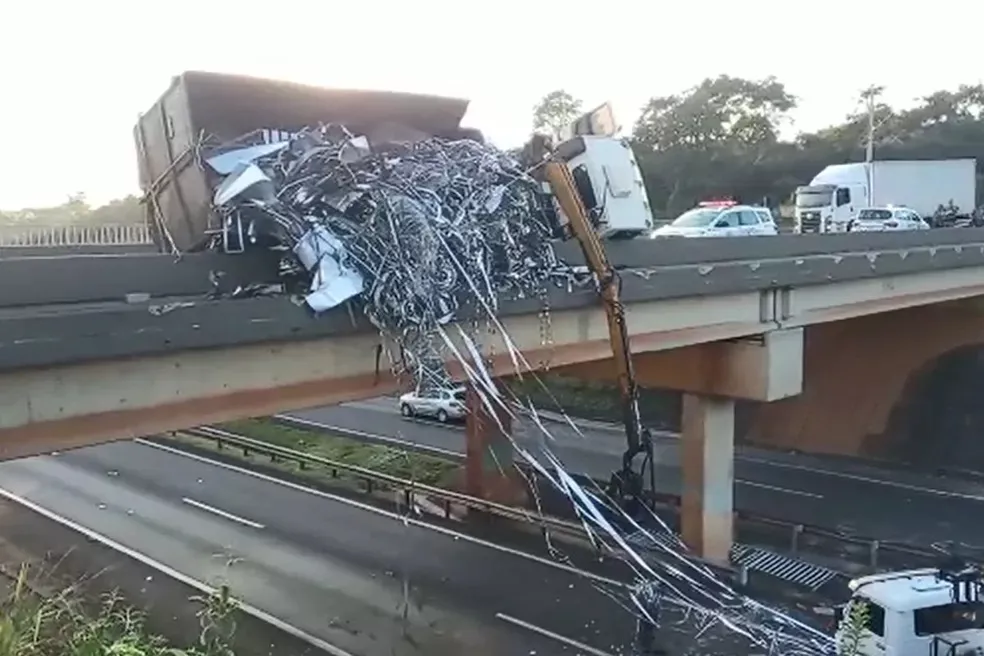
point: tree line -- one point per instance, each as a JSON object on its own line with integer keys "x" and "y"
{"x": 78, "y": 211}
{"x": 722, "y": 138}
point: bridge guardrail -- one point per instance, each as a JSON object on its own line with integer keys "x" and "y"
{"x": 869, "y": 554}
{"x": 62, "y": 236}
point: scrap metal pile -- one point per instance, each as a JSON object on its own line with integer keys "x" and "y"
{"x": 416, "y": 231}
{"x": 428, "y": 236}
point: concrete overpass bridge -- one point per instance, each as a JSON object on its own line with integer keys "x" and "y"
{"x": 828, "y": 333}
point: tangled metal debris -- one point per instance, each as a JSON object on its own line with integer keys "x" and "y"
{"x": 425, "y": 236}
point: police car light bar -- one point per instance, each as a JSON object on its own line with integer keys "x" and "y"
{"x": 718, "y": 202}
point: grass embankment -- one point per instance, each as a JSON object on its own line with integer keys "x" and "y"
{"x": 64, "y": 623}
{"x": 660, "y": 409}
{"x": 403, "y": 464}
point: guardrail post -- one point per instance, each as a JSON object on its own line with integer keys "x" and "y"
{"x": 873, "y": 553}
{"x": 794, "y": 541}
{"x": 743, "y": 575}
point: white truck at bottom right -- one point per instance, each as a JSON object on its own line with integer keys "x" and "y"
{"x": 835, "y": 195}
{"x": 924, "y": 612}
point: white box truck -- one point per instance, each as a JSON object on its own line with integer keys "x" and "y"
{"x": 834, "y": 197}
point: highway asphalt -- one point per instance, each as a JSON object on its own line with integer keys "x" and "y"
{"x": 362, "y": 580}
{"x": 850, "y": 497}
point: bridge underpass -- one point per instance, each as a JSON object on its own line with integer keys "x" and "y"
{"x": 109, "y": 348}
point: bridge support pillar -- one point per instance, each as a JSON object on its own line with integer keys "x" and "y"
{"x": 489, "y": 470}
{"x": 707, "y": 460}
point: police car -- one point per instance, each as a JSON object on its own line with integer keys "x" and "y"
{"x": 720, "y": 218}
{"x": 889, "y": 218}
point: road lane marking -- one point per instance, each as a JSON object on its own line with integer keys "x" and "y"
{"x": 870, "y": 479}
{"x": 546, "y": 633}
{"x": 776, "y": 488}
{"x": 166, "y": 570}
{"x": 669, "y": 435}
{"x": 221, "y": 513}
{"x": 386, "y": 513}
{"x": 751, "y": 459}
{"x": 384, "y": 439}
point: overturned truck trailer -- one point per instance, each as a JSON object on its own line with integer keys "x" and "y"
{"x": 201, "y": 110}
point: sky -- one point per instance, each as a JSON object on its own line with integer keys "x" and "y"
{"x": 74, "y": 77}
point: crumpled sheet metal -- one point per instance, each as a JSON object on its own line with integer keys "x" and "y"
{"x": 416, "y": 232}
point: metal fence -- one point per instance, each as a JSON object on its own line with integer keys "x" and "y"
{"x": 39, "y": 236}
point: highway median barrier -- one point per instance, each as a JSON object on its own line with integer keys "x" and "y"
{"x": 434, "y": 471}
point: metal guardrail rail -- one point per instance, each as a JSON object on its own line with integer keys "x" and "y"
{"x": 446, "y": 499}
{"x": 867, "y": 553}
{"x": 61, "y": 236}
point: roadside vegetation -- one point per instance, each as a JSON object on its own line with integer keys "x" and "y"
{"x": 64, "y": 623}
{"x": 857, "y": 615}
{"x": 598, "y": 400}
{"x": 404, "y": 464}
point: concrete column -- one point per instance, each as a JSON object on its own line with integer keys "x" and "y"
{"x": 489, "y": 470}
{"x": 707, "y": 459}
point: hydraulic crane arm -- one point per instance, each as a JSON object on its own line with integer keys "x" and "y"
{"x": 626, "y": 484}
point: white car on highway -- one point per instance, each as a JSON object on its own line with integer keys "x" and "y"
{"x": 441, "y": 404}
{"x": 889, "y": 218}
{"x": 720, "y": 219}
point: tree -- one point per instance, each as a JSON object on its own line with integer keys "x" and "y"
{"x": 857, "y": 615}
{"x": 555, "y": 111}
{"x": 702, "y": 141}
{"x": 719, "y": 111}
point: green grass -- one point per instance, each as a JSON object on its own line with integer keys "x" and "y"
{"x": 425, "y": 469}
{"x": 601, "y": 401}
{"x": 63, "y": 624}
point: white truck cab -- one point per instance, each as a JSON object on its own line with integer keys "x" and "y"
{"x": 720, "y": 218}
{"x": 917, "y": 613}
{"x": 606, "y": 175}
{"x": 831, "y": 200}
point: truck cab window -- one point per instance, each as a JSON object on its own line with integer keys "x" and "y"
{"x": 582, "y": 182}
{"x": 843, "y": 196}
{"x": 876, "y": 615}
{"x": 948, "y": 618}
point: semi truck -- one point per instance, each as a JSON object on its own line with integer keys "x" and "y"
{"x": 835, "y": 195}
{"x": 202, "y": 114}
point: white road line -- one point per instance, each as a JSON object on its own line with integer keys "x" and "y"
{"x": 385, "y": 513}
{"x": 384, "y": 439}
{"x": 776, "y": 488}
{"x": 869, "y": 479}
{"x": 570, "y": 642}
{"x": 752, "y": 459}
{"x": 263, "y": 616}
{"x": 221, "y": 513}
